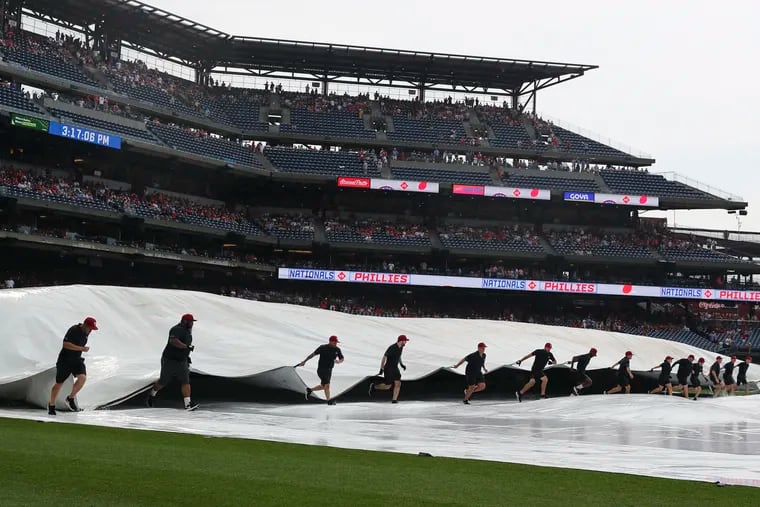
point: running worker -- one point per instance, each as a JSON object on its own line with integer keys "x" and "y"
{"x": 582, "y": 361}
{"x": 696, "y": 371}
{"x": 175, "y": 361}
{"x": 624, "y": 375}
{"x": 741, "y": 378}
{"x": 664, "y": 380}
{"x": 476, "y": 366}
{"x": 329, "y": 355}
{"x": 70, "y": 362}
{"x": 389, "y": 368}
{"x": 542, "y": 358}
{"x": 684, "y": 370}
{"x": 715, "y": 377}
{"x": 728, "y": 376}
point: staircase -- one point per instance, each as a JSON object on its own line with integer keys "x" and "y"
{"x": 547, "y": 246}
{"x": 319, "y": 231}
{"x": 98, "y": 76}
{"x": 435, "y": 240}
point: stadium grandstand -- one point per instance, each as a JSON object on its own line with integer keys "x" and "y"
{"x": 115, "y": 171}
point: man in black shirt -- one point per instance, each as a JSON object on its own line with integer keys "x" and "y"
{"x": 70, "y": 362}
{"x": 741, "y": 378}
{"x": 624, "y": 375}
{"x": 582, "y": 360}
{"x": 728, "y": 376}
{"x": 696, "y": 371}
{"x": 715, "y": 377}
{"x": 664, "y": 380}
{"x": 476, "y": 365}
{"x": 685, "y": 367}
{"x": 175, "y": 361}
{"x": 542, "y": 357}
{"x": 329, "y": 355}
{"x": 389, "y": 365}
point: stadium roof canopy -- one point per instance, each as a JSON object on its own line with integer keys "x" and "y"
{"x": 156, "y": 32}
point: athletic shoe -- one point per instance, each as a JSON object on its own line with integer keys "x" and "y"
{"x": 331, "y": 402}
{"x": 308, "y": 392}
{"x": 72, "y": 403}
{"x": 604, "y": 392}
{"x": 543, "y": 397}
{"x": 394, "y": 401}
{"x": 150, "y": 401}
{"x": 695, "y": 398}
{"x": 191, "y": 406}
{"x": 518, "y": 396}
{"x": 466, "y": 402}
{"x": 575, "y": 391}
{"x": 371, "y": 390}
{"x": 51, "y": 409}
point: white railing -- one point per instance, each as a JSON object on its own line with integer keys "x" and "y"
{"x": 746, "y": 237}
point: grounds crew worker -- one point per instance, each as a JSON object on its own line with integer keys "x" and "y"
{"x": 175, "y": 361}
{"x": 70, "y": 362}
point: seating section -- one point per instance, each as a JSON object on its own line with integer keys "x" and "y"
{"x": 576, "y": 143}
{"x": 200, "y": 143}
{"x": 99, "y": 124}
{"x": 510, "y": 136}
{"x": 376, "y": 231}
{"x": 41, "y": 55}
{"x": 427, "y": 131}
{"x": 695, "y": 253}
{"x": 495, "y": 239}
{"x": 337, "y": 124}
{"x": 441, "y": 175}
{"x": 11, "y": 97}
{"x": 325, "y": 163}
{"x": 600, "y": 244}
{"x": 530, "y": 180}
{"x": 639, "y": 183}
{"x": 293, "y": 227}
{"x": 243, "y": 113}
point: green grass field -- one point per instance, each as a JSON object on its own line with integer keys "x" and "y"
{"x": 66, "y": 464}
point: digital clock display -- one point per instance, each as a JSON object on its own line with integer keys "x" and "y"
{"x": 84, "y": 135}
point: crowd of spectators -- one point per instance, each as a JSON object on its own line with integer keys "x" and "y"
{"x": 333, "y": 103}
{"x": 497, "y": 233}
{"x": 369, "y": 229}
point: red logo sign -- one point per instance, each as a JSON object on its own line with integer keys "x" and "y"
{"x": 626, "y": 199}
{"x": 532, "y": 285}
{"x": 346, "y": 182}
{"x": 341, "y": 276}
{"x": 404, "y": 185}
{"x": 708, "y": 293}
{"x": 516, "y": 192}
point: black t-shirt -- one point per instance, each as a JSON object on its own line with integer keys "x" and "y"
{"x": 77, "y": 336}
{"x": 684, "y": 367}
{"x": 475, "y": 362}
{"x": 743, "y": 368}
{"x": 665, "y": 368}
{"x": 715, "y": 368}
{"x": 696, "y": 369}
{"x": 582, "y": 361}
{"x": 392, "y": 357}
{"x": 184, "y": 335}
{"x": 327, "y": 355}
{"x": 541, "y": 357}
{"x": 624, "y": 364}
{"x": 728, "y": 370}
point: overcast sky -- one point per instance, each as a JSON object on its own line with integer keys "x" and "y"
{"x": 677, "y": 78}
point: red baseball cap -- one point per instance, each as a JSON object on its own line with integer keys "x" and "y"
{"x": 733, "y": 357}
{"x": 189, "y": 316}
{"x": 334, "y": 339}
{"x": 402, "y": 338}
{"x": 593, "y": 352}
{"x": 91, "y": 323}
{"x": 669, "y": 358}
{"x": 719, "y": 358}
{"x": 629, "y": 353}
{"x": 548, "y": 345}
{"x": 701, "y": 360}
{"x": 748, "y": 358}
{"x": 482, "y": 345}
{"x": 691, "y": 356}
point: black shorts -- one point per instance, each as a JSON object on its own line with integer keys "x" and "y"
{"x": 683, "y": 381}
{"x": 663, "y": 381}
{"x": 64, "y": 370}
{"x": 537, "y": 375}
{"x": 623, "y": 380}
{"x": 728, "y": 380}
{"x": 391, "y": 375}
{"x": 741, "y": 380}
{"x": 694, "y": 381}
{"x": 172, "y": 368}
{"x": 475, "y": 378}
{"x": 324, "y": 376}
